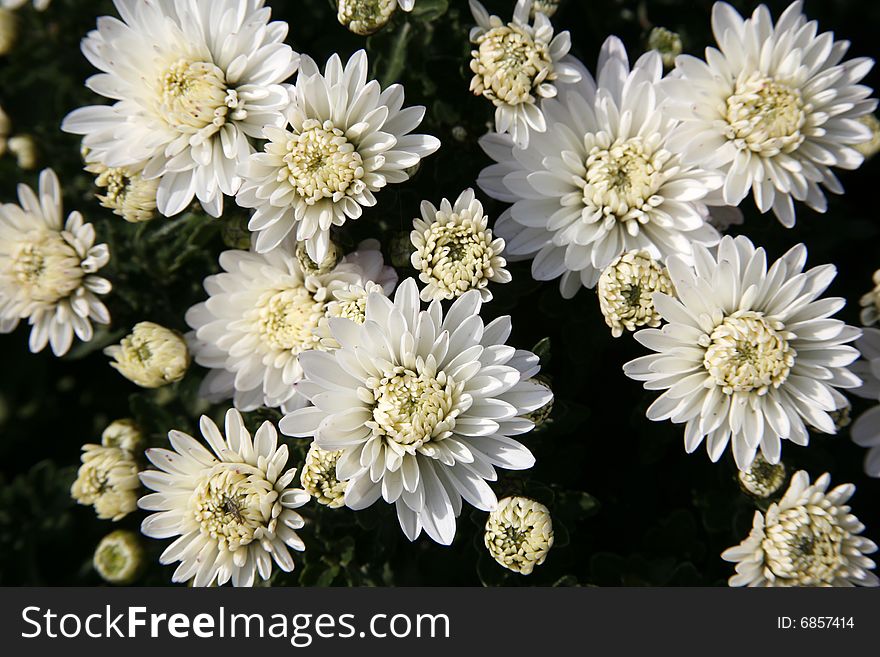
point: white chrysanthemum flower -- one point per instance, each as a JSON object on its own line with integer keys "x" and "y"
{"x": 232, "y": 509}
{"x": 119, "y": 557}
{"x": 667, "y": 43}
{"x": 344, "y": 139}
{"x": 39, "y": 5}
{"x": 48, "y": 269}
{"x": 749, "y": 354}
{"x": 126, "y": 191}
{"x": 519, "y": 534}
{"x": 364, "y": 17}
{"x": 8, "y": 31}
{"x": 125, "y": 434}
{"x": 455, "y": 251}
{"x": 808, "y": 538}
{"x": 774, "y": 108}
{"x": 762, "y": 479}
{"x": 871, "y": 147}
{"x": 866, "y": 429}
{"x": 626, "y": 291}
{"x": 194, "y": 82}
{"x": 601, "y": 180}
{"x": 261, "y": 313}
{"x": 318, "y": 477}
{"x": 25, "y": 150}
{"x": 108, "y": 481}
{"x": 150, "y": 356}
{"x": 421, "y": 406}
{"x": 518, "y": 64}
{"x": 870, "y": 303}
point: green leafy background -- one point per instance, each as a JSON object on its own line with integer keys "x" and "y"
{"x": 629, "y": 506}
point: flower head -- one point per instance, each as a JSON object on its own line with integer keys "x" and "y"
{"x": 762, "y": 479}
{"x": 231, "y": 508}
{"x": 365, "y": 17}
{"x": 546, "y": 7}
{"x": 750, "y": 354}
{"x": 48, "y": 269}
{"x": 519, "y": 534}
{"x": 422, "y": 407}
{"x": 125, "y": 191}
{"x": 25, "y": 150}
{"x": 195, "y": 81}
{"x": 150, "y": 356}
{"x": 866, "y": 428}
{"x": 108, "y": 481}
{"x": 596, "y": 185}
{"x": 119, "y": 557}
{"x": 667, "y": 43}
{"x": 870, "y": 303}
{"x": 262, "y": 312}
{"x": 455, "y": 251}
{"x": 808, "y": 538}
{"x": 775, "y": 108}
{"x": 626, "y": 291}
{"x": 329, "y": 158}
{"x": 124, "y": 434}
{"x": 318, "y": 477}
{"x": 517, "y": 64}
{"x": 871, "y": 147}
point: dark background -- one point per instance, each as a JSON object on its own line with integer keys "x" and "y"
{"x": 629, "y": 506}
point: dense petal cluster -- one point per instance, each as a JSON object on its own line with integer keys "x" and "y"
{"x": 194, "y": 83}
{"x": 775, "y": 107}
{"x": 342, "y": 140}
{"x": 455, "y": 251}
{"x": 422, "y": 406}
{"x": 762, "y": 479}
{"x": 601, "y": 180}
{"x": 125, "y": 191}
{"x": 150, "y": 356}
{"x": 750, "y": 355}
{"x": 262, "y": 312}
{"x": 119, "y": 557}
{"x": 318, "y": 477}
{"x": 518, "y": 64}
{"x": 108, "y": 481}
{"x": 519, "y": 534}
{"x": 808, "y": 538}
{"x": 231, "y": 508}
{"x": 626, "y": 291}
{"x": 48, "y": 269}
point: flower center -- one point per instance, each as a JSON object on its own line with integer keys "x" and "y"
{"x": 748, "y": 352}
{"x": 194, "y": 98}
{"x": 805, "y": 544}
{"x": 765, "y": 115}
{"x": 233, "y": 506}
{"x": 623, "y": 178}
{"x": 322, "y": 163}
{"x": 456, "y": 253}
{"x": 47, "y": 268}
{"x": 412, "y": 408}
{"x": 287, "y": 318}
{"x": 509, "y": 64}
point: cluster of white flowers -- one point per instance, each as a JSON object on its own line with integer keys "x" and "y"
{"x": 621, "y": 180}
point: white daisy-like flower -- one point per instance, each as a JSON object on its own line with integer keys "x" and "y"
{"x": 232, "y": 507}
{"x": 601, "y": 180}
{"x": 517, "y": 65}
{"x": 519, "y": 534}
{"x": 343, "y": 140}
{"x": 809, "y": 538}
{"x": 48, "y": 269}
{"x": 870, "y": 303}
{"x": 125, "y": 191}
{"x": 150, "y": 356}
{"x": 119, "y": 557}
{"x": 455, "y": 251}
{"x": 194, "y": 82}
{"x": 318, "y": 477}
{"x": 775, "y": 108}
{"x": 749, "y": 354}
{"x": 866, "y": 428}
{"x": 261, "y": 313}
{"x": 626, "y": 291}
{"x": 422, "y": 406}
{"x": 108, "y": 481}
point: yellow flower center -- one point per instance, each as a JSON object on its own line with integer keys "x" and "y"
{"x": 287, "y": 318}
{"x": 765, "y": 115}
{"x": 805, "y": 545}
{"x": 508, "y": 64}
{"x": 194, "y": 97}
{"x": 47, "y": 268}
